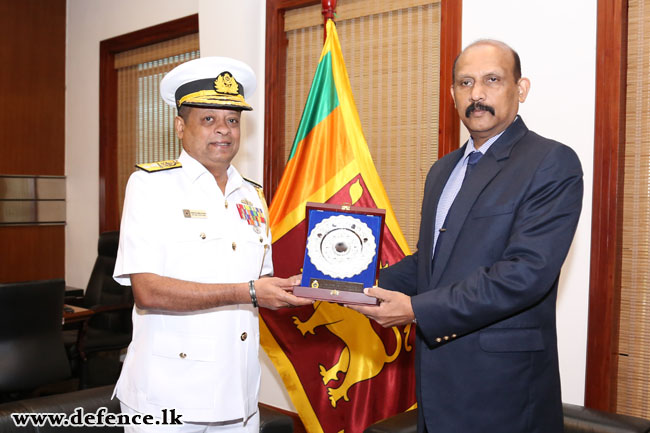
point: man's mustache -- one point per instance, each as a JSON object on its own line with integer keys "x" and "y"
{"x": 478, "y": 106}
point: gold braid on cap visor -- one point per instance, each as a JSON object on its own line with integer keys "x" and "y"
{"x": 214, "y": 98}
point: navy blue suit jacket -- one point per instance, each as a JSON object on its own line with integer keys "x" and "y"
{"x": 486, "y": 346}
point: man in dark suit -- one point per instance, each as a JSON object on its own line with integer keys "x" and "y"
{"x": 498, "y": 217}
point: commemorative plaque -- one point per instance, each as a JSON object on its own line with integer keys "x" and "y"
{"x": 342, "y": 253}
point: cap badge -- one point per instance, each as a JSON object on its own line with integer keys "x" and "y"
{"x": 225, "y": 83}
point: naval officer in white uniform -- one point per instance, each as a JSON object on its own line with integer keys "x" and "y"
{"x": 195, "y": 246}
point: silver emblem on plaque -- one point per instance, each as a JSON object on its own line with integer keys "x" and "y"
{"x": 341, "y": 246}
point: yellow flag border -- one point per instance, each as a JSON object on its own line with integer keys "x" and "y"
{"x": 321, "y": 195}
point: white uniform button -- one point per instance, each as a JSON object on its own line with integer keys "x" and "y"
{"x": 226, "y": 204}
{"x": 244, "y": 336}
{"x": 438, "y": 340}
{"x": 202, "y": 235}
{"x": 234, "y": 246}
{"x": 261, "y": 240}
{"x": 446, "y": 338}
{"x": 453, "y": 335}
{"x": 182, "y": 355}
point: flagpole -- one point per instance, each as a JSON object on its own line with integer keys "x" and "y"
{"x": 329, "y": 9}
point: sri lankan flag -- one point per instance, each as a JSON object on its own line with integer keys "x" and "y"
{"x": 342, "y": 371}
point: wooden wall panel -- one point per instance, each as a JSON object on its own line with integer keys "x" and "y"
{"x": 32, "y": 253}
{"x": 606, "y": 227}
{"x": 32, "y": 85}
{"x": 32, "y": 126}
{"x": 451, "y": 23}
{"x": 109, "y": 213}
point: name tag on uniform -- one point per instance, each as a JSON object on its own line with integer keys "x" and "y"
{"x": 191, "y": 213}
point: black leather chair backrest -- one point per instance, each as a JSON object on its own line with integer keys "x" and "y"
{"x": 577, "y": 419}
{"x": 31, "y": 342}
{"x": 90, "y": 400}
{"x": 103, "y": 290}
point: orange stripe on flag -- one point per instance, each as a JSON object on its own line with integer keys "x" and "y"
{"x": 319, "y": 157}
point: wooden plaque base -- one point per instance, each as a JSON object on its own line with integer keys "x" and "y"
{"x": 338, "y": 296}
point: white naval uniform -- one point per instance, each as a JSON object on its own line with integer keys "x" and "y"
{"x": 203, "y": 364}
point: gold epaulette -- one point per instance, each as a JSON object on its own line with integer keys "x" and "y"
{"x": 150, "y": 167}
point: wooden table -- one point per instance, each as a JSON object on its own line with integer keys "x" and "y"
{"x": 78, "y": 314}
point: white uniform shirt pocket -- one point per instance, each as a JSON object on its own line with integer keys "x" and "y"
{"x": 198, "y": 252}
{"x": 182, "y": 362}
{"x": 249, "y": 251}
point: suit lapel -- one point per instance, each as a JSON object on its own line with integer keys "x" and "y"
{"x": 433, "y": 191}
{"x": 486, "y": 169}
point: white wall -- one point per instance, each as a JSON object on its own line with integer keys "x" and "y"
{"x": 556, "y": 41}
{"x": 89, "y": 22}
{"x": 242, "y": 36}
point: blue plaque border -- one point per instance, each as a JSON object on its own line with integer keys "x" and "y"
{"x": 373, "y": 218}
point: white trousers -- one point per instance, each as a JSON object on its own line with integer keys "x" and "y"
{"x": 252, "y": 425}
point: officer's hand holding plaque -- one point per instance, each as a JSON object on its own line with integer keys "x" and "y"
{"x": 342, "y": 253}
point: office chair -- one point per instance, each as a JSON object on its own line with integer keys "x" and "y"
{"x": 31, "y": 344}
{"x": 95, "y": 349}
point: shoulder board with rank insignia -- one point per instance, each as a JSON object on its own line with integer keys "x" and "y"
{"x": 255, "y": 184}
{"x": 150, "y": 167}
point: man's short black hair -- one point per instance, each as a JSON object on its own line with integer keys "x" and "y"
{"x": 184, "y": 111}
{"x": 516, "y": 70}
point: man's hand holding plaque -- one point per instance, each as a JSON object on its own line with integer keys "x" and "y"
{"x": 342, "y": 253}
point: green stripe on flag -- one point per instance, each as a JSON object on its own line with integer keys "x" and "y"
{"x": 321, "y": 101}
